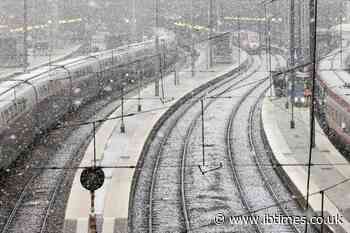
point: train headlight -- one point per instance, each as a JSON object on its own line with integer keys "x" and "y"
{"x": 303, "y": 99}
{"x": 295, "y": 99}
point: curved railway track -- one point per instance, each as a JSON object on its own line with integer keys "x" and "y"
{"x": 182, "y": 159}
{"x": 181, "y": 199}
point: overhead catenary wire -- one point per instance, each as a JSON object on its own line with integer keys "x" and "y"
{"x": 273, "y": 165}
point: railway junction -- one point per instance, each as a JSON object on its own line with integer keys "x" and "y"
{"x": 162, "y": 116}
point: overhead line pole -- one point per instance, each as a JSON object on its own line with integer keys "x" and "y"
{"x": 25, "y": 36}
{"x": 292, "y": 61}
{"x": 157, "y": 63}
{"x": 192, "y": 42}
{"x": 313, "y": 47}
{"x": 239, "y": 41}
{"x": 134, "y": 38}
{"x": 299, "y": 32}
{"x": 269, "y": 49}
{"x": 210, "y": 49}
{"x": 341, "y": 36}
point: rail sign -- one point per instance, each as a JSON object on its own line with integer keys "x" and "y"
{"x": 92, "y": 178}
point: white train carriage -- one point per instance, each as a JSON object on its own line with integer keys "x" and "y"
{"x": 31, "y": 103}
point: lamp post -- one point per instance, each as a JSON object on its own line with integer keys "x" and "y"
{"x": 140, "y": 76}
{"x": 122, "y": 124}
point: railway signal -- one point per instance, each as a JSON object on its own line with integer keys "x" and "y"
{"x": 92, "y": 179}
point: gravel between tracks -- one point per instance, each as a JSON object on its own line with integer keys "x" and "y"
{"x": 173, "y": 195}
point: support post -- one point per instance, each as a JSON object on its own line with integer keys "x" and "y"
{"x": 239, "y": 41}
{"x": 313, "y": 46}
{"x": 269, "y": 51}
{"x": 192, "y": 42}
{"x": 25, "y": 36}
{"x": 203, "y": 139}
{"x": 139, "y": 106}
{"x": 122, "y": 125}
{"x": 322, "y": 210}
{"x": 210, "y": 37}
{"x": 157, "y": 63}
{"x": 299, "y": 32}
{"x": 292, "y": 61}
{"x": 94, "y": 133}
{"x": 341, "y": 38}
{"x": 92, "y": 217}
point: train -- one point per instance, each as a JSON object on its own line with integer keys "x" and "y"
{"x": 31, "y": 103}
{"x": 247, "y": 40}
{"x": 332, "y": 100}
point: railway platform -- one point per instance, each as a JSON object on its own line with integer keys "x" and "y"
{"x": 290, "y": 149}
{"x": 116, "y": 148}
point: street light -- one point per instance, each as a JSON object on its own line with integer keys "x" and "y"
{"x": 122, "y": 125}
{"x": 140, "y": 76}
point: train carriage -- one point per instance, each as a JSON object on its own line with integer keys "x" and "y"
{"x": 333, "y": 102}
{"x": 32, "y": 103}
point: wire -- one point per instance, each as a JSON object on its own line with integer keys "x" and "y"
{"x": 268, "y": 165}
{"x": 58, "y": 127}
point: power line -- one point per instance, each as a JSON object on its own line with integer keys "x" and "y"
{"x": 273, "y": 165}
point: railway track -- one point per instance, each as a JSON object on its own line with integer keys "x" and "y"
{"x": 180, "y": 196}
{"x": 172, "y": 136}
{"x": 36, "y": 199}
{"x": 32, "y": 207}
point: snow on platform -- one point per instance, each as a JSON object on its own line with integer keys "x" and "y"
{"x": 114, "y": 148}
{"x": 290, "y": 146}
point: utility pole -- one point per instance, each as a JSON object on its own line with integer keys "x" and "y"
{"x": 210, "y": 37}
{"x": 269, "y": 50}
{"x": 292, "y": 61}
{"x": 134, "y": 37}
{"x": 192, "y": 42}
{"x": 313, "y": 54}
{"x": 266, "y": 37}
{"x": 299, "y": 32}
{"x": 157, "y": 58}
{"x": 203, "y": 136}
{"x": 239, "y": 40}
{"x": 122, "y": 124}
{"x": 341, "y": 35}
{"x": 25, "y": 36}
{"x": 313, "y": 47}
